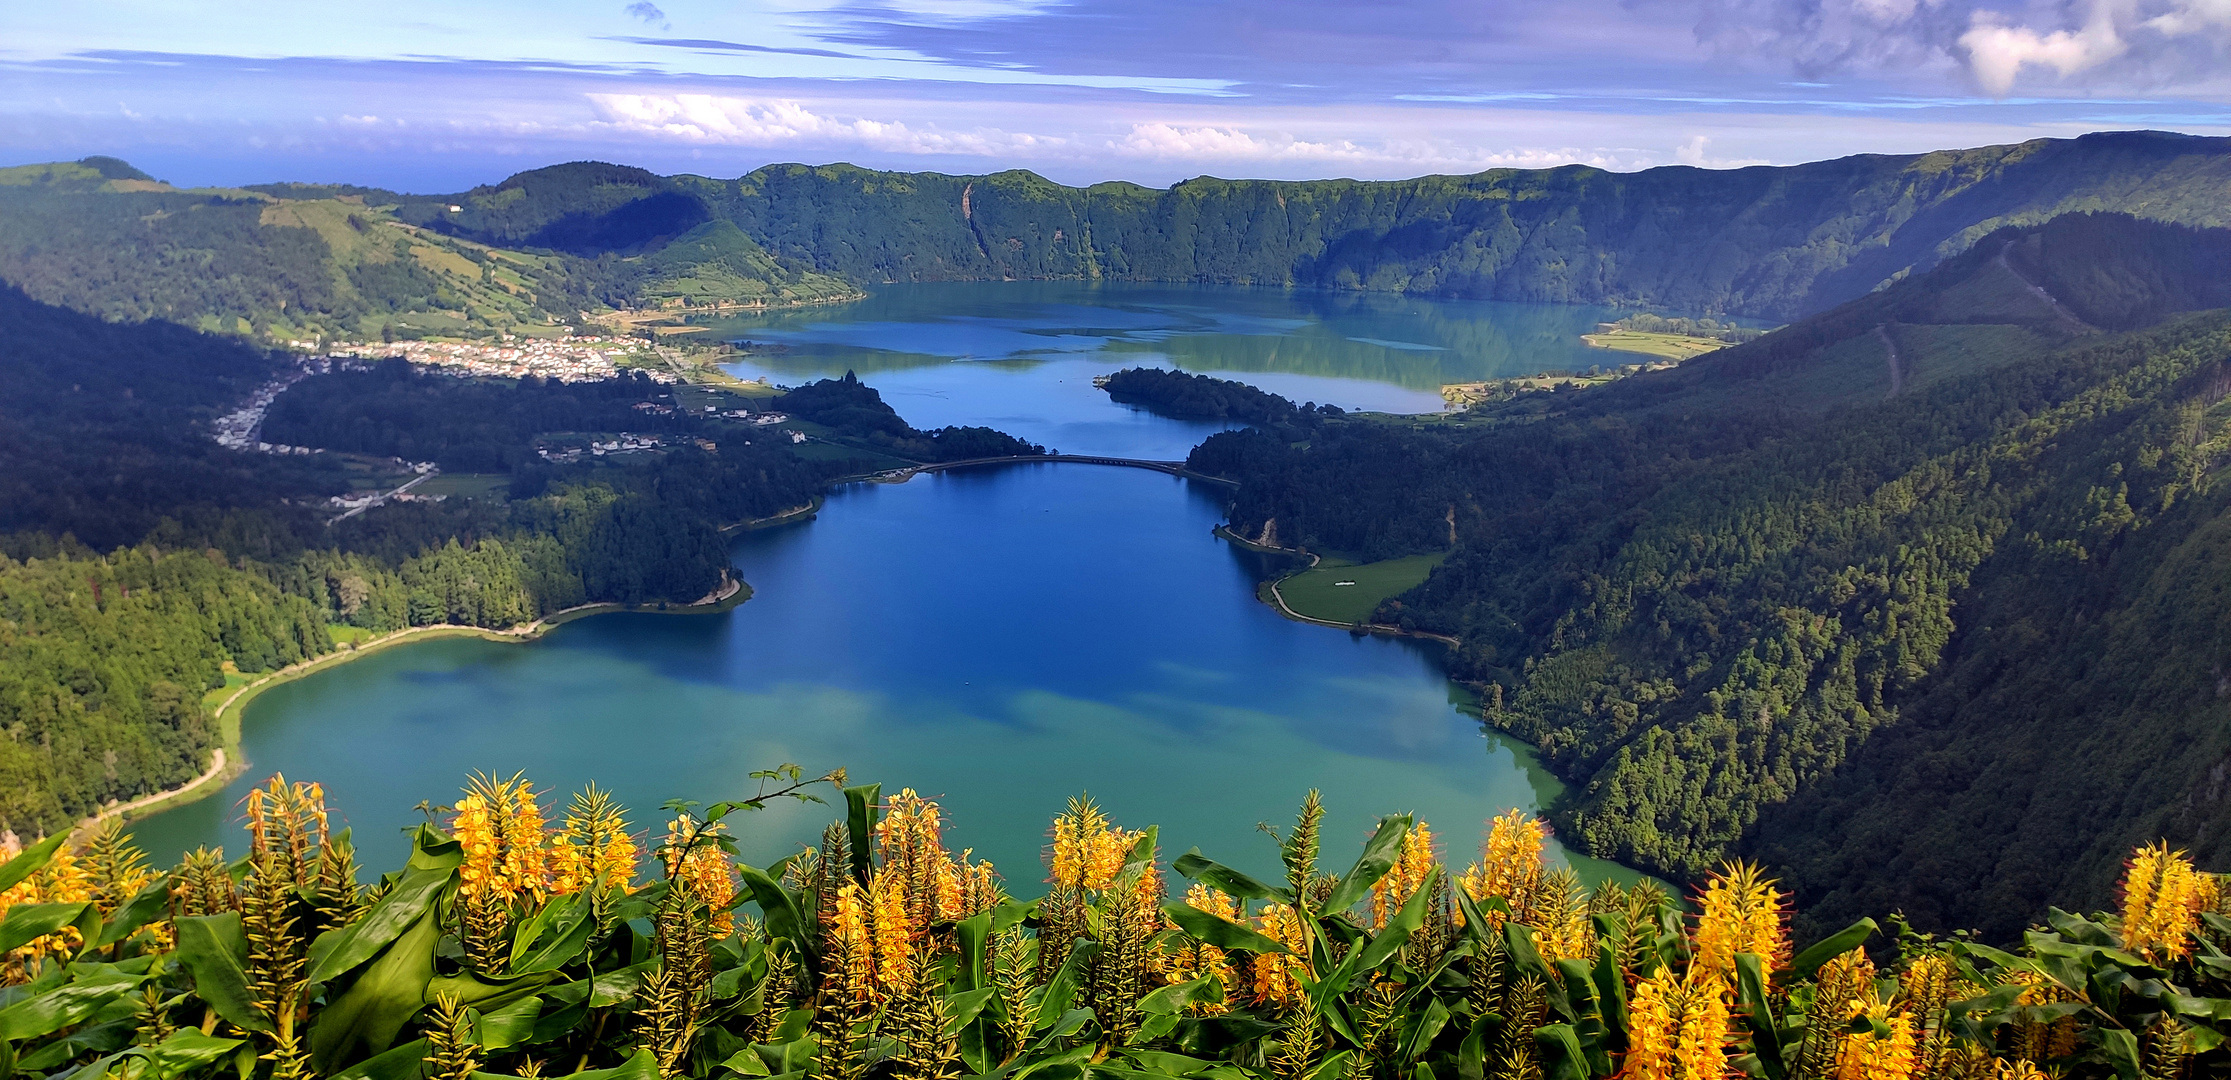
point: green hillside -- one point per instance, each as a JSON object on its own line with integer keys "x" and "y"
{"x": 288, "y": 261}
{"x": 1769, "y": 242}
{"x": 1791, "y": 600}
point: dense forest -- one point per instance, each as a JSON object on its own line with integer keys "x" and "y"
{"x": 137, "y": 557}
{"x": 858, "y": 411}
{"x": 544, "y": 246}
{"x": 1199, "y": 397}
{"x": 1761, "y": 603}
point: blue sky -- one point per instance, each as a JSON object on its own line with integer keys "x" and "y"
{"x": 440, "y": 96}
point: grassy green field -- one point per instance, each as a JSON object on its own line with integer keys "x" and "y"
{"x": 465, "y": 485}
{"x": 1319, "y": 593}
{"x": 1670, "y": 346}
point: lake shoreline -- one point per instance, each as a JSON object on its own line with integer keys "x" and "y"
{"x": 1269, "y": 595}
{"x": 228, "y": 760}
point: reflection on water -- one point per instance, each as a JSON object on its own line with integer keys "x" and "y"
{"x": 1001, "y": 639}
{"x": 1374, "y": 351}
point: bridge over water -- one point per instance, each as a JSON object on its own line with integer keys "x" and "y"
{"x": 1174, "y": 468}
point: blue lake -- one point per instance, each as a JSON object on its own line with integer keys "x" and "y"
{"x": 1002, "y": 639}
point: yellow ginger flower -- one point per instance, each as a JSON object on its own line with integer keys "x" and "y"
{"x": 1677, "y": 1029}
{"x": 1088, "y": 850}
{"x": 892, "y": 931}
{"x": 594, "y": 849}
{"x": 2018, "y": 1069}
{"x": 1277, "y": 975}
{"x": 1742, "y": 912}
{"x": 63, "y": 880}
{"x": 847, "y": 943}
{"x": 1196, "y": 960}
{"x": 1403, "y": 880}
{"x": 474, "y": 828}
{"x": 2042, "y": 1041}
{"x": 1563, "y": 930}
{"x": 1510, "y": 864}
{"x": 2163, "y": 897}
{"x": 703, "y": 868}
{"x": 1868, "y": 1057}
{"x": 526, "y": 863}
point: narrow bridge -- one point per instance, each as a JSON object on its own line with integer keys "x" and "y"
{"x": 1174, "y": 468}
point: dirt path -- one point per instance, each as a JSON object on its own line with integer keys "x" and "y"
{"x": 1897, "y": 364}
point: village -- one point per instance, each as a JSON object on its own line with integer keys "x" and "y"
{"x": 565, "y": 359}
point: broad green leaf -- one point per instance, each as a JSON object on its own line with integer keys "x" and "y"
{"x": 778, "y": 908}
{"x": 490, "y": 994}
{"x": 1558, "y": 1049}
{"x": 1216, "y": 930}
{"x": 1424, "y": 1027}
{"x": 365, "y": 1018}
{"x": 1831, "y": 947}
{"x": 1176, "y": 998}
{"x": 144, "y": 907}
{"x": 1758, "y": 1015}
{"x": 338, "y": 951}
{"x": 186, "y": 1050}
{"x": 29, "y": 922}
{"x": 565, "y": 934}
{"x": 1226, "y": 880}
{"x": 642, "y": 1066}
{"x": 32, "y": 860}
{"x": 1142, "y": 849}
{"x": 862, "y": 807}
{"x": 963, "y": 1008}
{"x": 405, "y": 1062}
{"x": 214, "y": 951}
{"x": 2121, "y": 1048}
{"x": 971, "y": 934}
{"x": 1062, "y": 988}
{"x": 1379, "y": 854}
{"x": 1166, "y": 1063}
{"x": 512, "y": 1025}
{"x": 71, "y": 1003}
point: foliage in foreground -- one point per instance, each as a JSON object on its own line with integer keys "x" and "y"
{"x": 522, "y": 942}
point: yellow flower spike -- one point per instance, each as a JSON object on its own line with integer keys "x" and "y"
{"x": 1741, "y": 912}
{"x": 1511, "y": 864}
{"x": 848, "y": 943}
{"x": 1677, "y": 1029}
{"x": 1277, "y": 975}
{"x": 2163, "y": 897}
{"x": 893, "y": 934}
{"x": 1867, "y": 1057}
{"x": 1404, "y": 878}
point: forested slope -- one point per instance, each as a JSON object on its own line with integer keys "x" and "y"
{"x": 1769, "y": 242}
{"x": 1706, "y": 593}
{"x": 204, "y": 556}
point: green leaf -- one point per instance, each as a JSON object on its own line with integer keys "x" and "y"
{"x": 566, "y": 934}
{"x": 1176, "y": 998}
{"x": 1379, "y": 854}
{"x": 2122, "y": 1052}
{"x": 963, "y": 1008}
{"x": 405, "y": 1062}
{"x": 65, "y": 1005}
{"x": 336, "y": 952}
{"x": 144, "y": 907}
{"x": 1226, "y": 880}
{"x": 1212, "y": 929}
{"x": 29, "y": 922}
{"x": 214, "y": 951}
{"x": 1424, "y": 1027}
{"x": 512, "y": 1025}
{"x": 778, "y": 908}
{"x": 643, "y": 1066}
{"x": 1758, "y": 1015}
{"x": 366, "y": 1017}
{"x": 1558, "y": 1049}
{"x": 971, "y": 934}
{"x": 1831, "y": 947}
{"x": 862, "y": 807}
{"x": 1062, "y": 988}
{"x": 32, "y": 860}
{"x": 185, "y": 1050}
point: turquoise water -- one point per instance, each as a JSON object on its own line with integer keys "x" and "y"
{"x": 1000, "y": 638}
{"x": 1021, "y": 355}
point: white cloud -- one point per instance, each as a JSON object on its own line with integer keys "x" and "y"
{"x": 733, "y": 121}
{"x": 1997, "y": 52}
{"x": 1692, "y": 153}
{"x": 1219, "y": 145}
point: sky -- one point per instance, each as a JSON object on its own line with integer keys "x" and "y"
{"x": 429, "y": 97}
